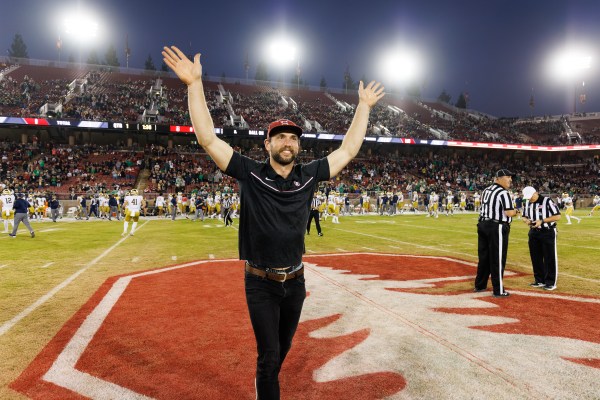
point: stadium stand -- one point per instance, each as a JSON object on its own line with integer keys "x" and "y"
{"x": 99, "y": 93}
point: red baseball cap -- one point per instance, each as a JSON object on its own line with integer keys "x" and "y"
{"x": 283, "y": 125}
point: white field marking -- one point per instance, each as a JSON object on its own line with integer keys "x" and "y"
{"x": 368, "y": 248}
{"x": 465, "y": 353}
{"x": 173, "y": 258}
{"x": 51, "y": 230}
{"x": 47, "y": 265}
{"x": 12, "y": 322}
{"x": 135, "y": 259}
{"x": 342, "y": 250}
{"x": 207, "y": 226}
{"x": 3, "y": 266}
{"x": 310, "y": 251}
{"x": 561, "y": 243}
{"x": 452, "y": 252}
{"x": 467, "y": 244}
{"x": 63, "y": 372}
{"x": 211, "y": 256}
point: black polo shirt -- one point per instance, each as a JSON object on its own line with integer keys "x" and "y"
{"x": 274, "y": 211}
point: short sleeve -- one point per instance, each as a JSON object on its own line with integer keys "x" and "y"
{"x": 240, "y": 166}
{"x": 318, "y": 168}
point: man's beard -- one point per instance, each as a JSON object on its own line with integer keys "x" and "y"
{"x": 284, "y": 161}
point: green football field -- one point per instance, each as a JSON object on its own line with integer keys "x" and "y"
{"x": 45, "y": 280}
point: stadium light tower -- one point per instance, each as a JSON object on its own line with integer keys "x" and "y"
{"x": 401, "y": 65}
{"x": 82, "y": 26}
{"x": 570, "y": 65}
{"x": 281, "y": 51}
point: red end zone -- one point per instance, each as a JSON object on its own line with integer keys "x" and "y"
{"x": 183, "y": 332}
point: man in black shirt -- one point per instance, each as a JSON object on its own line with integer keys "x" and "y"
{"x": 493, "y": 228}
{"x": 541, "y": 215}
{"x": 275, "y": 199}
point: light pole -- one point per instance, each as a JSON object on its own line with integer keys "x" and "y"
{"x": 570, "y": 65}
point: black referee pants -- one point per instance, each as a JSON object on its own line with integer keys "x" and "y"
{"x": 314, "y": 214}
{"x": 542, "y": 249}
{"x": 492, "y": 248}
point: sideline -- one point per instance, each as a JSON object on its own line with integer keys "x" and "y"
{"x": 12, "y": 322}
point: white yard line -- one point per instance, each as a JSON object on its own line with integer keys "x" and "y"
{"x": 12, "y": 322}
{"x": 448, "y": 251}
{"x": 47, "y": 265}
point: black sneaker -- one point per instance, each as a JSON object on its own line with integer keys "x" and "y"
{"x": 549, "y": 287}
{"x": 12, "y": 236}
{"x": 537, "y": 284}
{"x": 320, "y": 234}
{"x": 479, "y": 290}
{"x": 503, "y": 294}
{"x": 32, "y": 234}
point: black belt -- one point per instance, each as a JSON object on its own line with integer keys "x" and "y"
{"x": 481, "y": 219}
{"x": 279, "y": 276}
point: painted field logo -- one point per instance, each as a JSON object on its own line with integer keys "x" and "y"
{"x": 369, "y": 330}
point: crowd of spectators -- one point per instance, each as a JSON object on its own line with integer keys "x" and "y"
{"x": 77, "y": 169}
{"x": 110, "y": 96}
{"x": 91, "y": 168}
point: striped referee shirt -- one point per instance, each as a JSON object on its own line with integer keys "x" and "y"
{"x": 227, "y": 202}
{"x": 541, "y": 209}
{"x": 494, "y": 201}
{"x": 316, "y": 202}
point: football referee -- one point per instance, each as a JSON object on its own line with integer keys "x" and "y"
{"x": 493, "y": 229}
{"x": 541, "y": 215}
{"x": 314, "y": 214}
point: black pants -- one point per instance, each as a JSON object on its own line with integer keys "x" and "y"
{"x": 227, "y": 216}
{"x": 314, "y": 214}
{"x": 492, "y": 247}
{"x": 542, "y": 249}
{"x": 274, "y": 309}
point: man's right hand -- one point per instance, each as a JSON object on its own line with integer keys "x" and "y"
{"x": 187, "y": 71}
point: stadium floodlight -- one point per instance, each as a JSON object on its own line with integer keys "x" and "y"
{"x": 401, "y": 65}
{"x": 82, "y": 26}
{"x": 281, "y": 51}
{"x": 569, "y": 63}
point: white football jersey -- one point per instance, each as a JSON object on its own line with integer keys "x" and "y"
{"x": 134, "y": 203}
{"x": 8, "y": 201}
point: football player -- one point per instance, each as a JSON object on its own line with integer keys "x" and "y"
{"x": 7, "y": 201}
{"x": 133, "y": 207}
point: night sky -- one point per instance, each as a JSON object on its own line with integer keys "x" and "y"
{"x": 494, "y": 50}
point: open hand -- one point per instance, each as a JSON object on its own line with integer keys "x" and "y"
{"x": 187, "y": 71}
{"x": 371, "y": 94}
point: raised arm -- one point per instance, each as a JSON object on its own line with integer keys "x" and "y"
{"x": 367, "y": 98}
{"x": 191, "y": 74}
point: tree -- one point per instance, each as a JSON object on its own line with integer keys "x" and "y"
{"x": 349, "y": 83}
{"x": 444, "y": 97}
{"x": 111, "y": 57}
{"x": 18, "y": 48}
{"x": 462, "y": 101}
{"x": 262, "y": 74}
{"x": 414, "y": 90}
{"x": 323, "y": 83}
{"x": 149, "y": 64}
{"x": 93, "y": 58}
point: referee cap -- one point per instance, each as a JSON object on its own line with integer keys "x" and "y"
{"x": 283, "y": 125}
{"x": 503, "y": 172}
{"x": 528, "y": 192}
